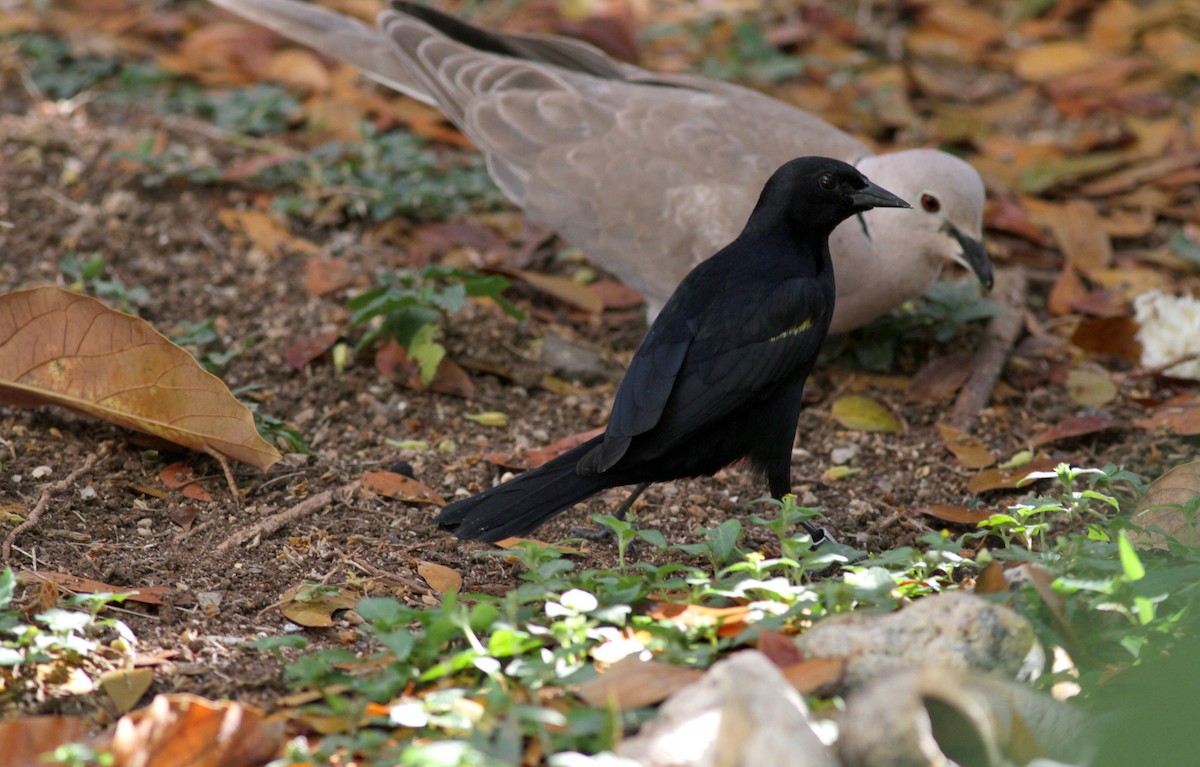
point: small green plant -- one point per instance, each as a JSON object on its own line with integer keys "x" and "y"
{"x": 946, "y": 308}
{"x": 745, "y": 55}
{"x": 86, "y": 276}
{"x": 171, "y": 163}
{"x": 410, "y": 307}
{"x": 383, "y": 175}
{"x": 273, "y": 429}
{"x": 206, "y": 345}
{"x": 258, "y": 110}
{"x": 60, "y": 638}
{"x": 59, "y": 73}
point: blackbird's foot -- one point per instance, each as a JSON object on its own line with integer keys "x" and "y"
{"x": 819, "y": 534}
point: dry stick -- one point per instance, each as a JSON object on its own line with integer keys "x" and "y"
{"x": 282, "y": 519}
{"x": 1002, "y": 332}
{"x": 48, "y": 490}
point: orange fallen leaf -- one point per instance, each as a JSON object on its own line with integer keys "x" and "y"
{"x": 391, "y": 360}
{"x": 814, "y": 676}
{"x": 616, "y": 295}
{"x": 567, "y": 291}
{"x": 968, "y": 449}
{"x": 531, "y": 459}
{"x": 1178, "y": 419}
{"x": 1078, "y": 426}
{"x": 440, "y": 578}
{"x": 939, "y": 378}
{"x": 299, "y": 69}
{"x": 389, "y": 484}
{"x": 992, "y": 580}
{"x": 304, "y": 351}
{"x": 150, "y": 595}
{"x": 179, "y": 476}
{"x": 730, "y": 621}
{"x": 60, "y": 348}
{"x": 188, "y": 730}
{"x": 958, "y": 515}
{"x": 779, "y": 648}
{"x": 28, "y": 738}
{"x": 1007, "y": 479}
{"x": 265, "y": 232}
{"x": 323, "y": 276}
{"x": 1047, "y": 61}
{"x": 1116, "y": 336}
{"x": 633, "y": 683}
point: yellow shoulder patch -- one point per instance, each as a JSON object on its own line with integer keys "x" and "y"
{"x": 793, "y": 330}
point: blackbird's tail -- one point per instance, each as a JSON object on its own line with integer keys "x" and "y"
{"x": 524, "y": 503}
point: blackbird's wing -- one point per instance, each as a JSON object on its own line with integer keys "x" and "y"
{"x": 699, "y": 364}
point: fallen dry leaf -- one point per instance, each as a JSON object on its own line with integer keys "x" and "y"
{"x": 940, "y": 378}
{"x": 60, "y": 348}
{"x": 968, "y": 449}
{"x": 1116, "y": 336}
{"x": 28, "y": 738}
{"x": 125, "y": 687}
{"x": 633, "y": 683}
{"x": 531, "y": 459}
{"x": 1090, "y": 386}
{"x": 151, "y": 595}
{"x": 1163, "y": 507}
{"x": 391, "y": 360}
{"x": 958, "y": 515}
{"x": 265, "y": 232}
{"x": 389, "y": 484}
{"x": 313, "y": 605}
{"x": 991, "y": 580}
{"x": 1049, "y": 61}
{"x": 440, "y": 578}
{"x": 1007, "y": 479}
{"x": 815, "y": 676}
{"x": 565, "y": 290}
{"x": 730, "y": 621}
{"x": 1182, "y": 419}
{"x": 860, "y": 413}
{"x": 323, "y": 276}
{"x": 177, "y": 730}
{"x": 304, "y": 351}
{"x": 1079, "y": 426}
{"x": 179, "y": 476}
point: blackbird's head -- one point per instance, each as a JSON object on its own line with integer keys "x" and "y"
{"x": 816, "y": 194}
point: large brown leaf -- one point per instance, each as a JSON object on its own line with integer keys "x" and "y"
{"x": 60, "y": 348}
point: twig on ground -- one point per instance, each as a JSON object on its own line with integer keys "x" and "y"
{"x": 1002, "y": 333}
{"x": 284, "y": 518}
{"x": 48, "y": 490}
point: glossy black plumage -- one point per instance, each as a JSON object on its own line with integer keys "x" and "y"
{"x": 720, "y": 374}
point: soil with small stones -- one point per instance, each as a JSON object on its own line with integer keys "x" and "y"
{"x": 62, "y": 192}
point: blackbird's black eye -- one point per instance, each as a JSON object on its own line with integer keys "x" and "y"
{"x": 826, "y": 181}
{"x": 930, "y": 203}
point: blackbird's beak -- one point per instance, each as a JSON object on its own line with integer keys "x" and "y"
{"x": 875, "y": 196}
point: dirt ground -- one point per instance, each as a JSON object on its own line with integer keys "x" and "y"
{"x": 61, "y": 193}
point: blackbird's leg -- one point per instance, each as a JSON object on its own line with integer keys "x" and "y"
{"x": 596, "y": 533}
{"x": 623, "y": 509}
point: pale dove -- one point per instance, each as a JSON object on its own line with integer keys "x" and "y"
{"x": 649, "y": 173}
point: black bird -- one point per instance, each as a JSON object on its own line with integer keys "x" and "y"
{"x": 720, "y": 374}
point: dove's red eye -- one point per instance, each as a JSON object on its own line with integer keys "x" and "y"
{"x": 930, "y": 203}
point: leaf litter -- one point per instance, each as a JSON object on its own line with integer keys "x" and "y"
{"x": 1081, "y": 128}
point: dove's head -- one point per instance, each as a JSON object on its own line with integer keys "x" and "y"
{"x": 946, "y": 220}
